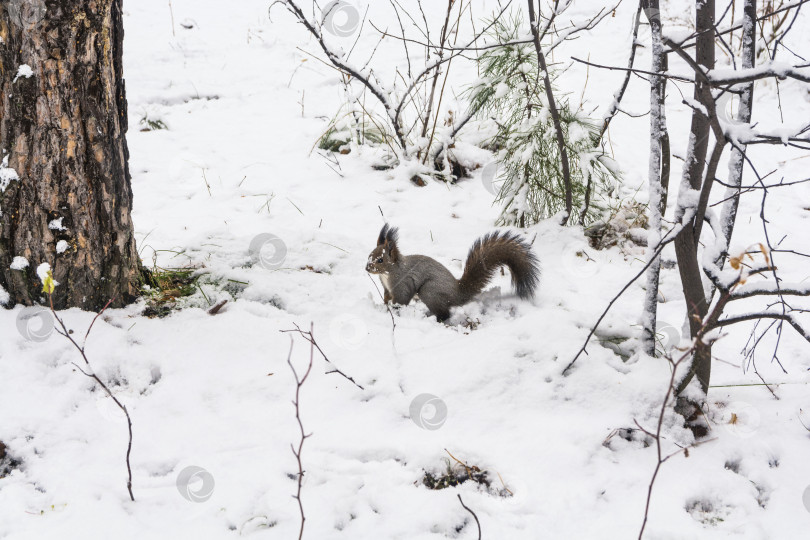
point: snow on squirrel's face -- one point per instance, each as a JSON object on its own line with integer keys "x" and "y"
{"x": 384, "y": 258}
{"x": 379, "y": 261}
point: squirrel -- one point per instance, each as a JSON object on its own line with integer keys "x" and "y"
{"x": 405, "y": 276}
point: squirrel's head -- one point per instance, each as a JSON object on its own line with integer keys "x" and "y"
{"x": 386, "y": 255}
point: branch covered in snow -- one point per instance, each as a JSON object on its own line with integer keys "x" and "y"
{"x": 721, "y": 32}
{"x": 721, "y": 78}
{"x": 790, "y": 318}
{"x": 778, "y": 70}
{"x": 770, "y": 289}
{"x": 733, "y": 285}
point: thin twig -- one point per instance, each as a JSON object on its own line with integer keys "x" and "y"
{"x": 552, "y": 107}
{"x": 215, "y": 309}
{"x": 657, "y": 436}
{"x": 478, "y": 523}
{"x": 698, "y": 343}
{"x": 386, "y": 304}
{"x": 664, "y": 241}
{"x": 299, "y": 382}
{"x": 311, "y": 339}
{"x": 92, "y": 374}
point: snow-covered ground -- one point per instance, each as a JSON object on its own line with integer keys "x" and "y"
{"x": 244, "y": 107}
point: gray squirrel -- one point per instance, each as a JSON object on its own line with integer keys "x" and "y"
{"x": 405, "y": 276}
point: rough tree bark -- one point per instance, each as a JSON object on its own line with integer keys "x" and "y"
{"x": 63, "y": 120}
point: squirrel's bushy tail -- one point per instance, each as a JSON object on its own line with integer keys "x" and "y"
{"x": 492, "y": 251}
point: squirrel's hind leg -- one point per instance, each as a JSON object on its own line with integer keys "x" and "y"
{"x": 438, "y": 304}
{"x": 442, "y": 316}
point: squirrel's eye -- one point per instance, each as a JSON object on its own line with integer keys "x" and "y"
{"x": 379, "y": 260}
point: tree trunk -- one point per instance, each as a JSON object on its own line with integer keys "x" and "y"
{"x": 63, "y": 120}
{"x": 666, "y": 153}
{"x": 687, "y": 241}
{"x": 735, "y": 165}
{"x": 657, "y": 130}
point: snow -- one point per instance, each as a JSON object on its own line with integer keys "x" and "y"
{"x": 696, "y": 105}
{"x": 62, "y": 246}
{"x": 780, "y": 70}
{"x": 56, "y": 224}
{"x": 24, "y": 71}
{"x": 214, "y": 392}
{"x": 42, "y": 271}
{"x": 7, "y": 175}
{"x": 19, "y": 263}
{"x": 749, "y": 289}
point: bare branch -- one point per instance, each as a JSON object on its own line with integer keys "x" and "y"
{"x": 311, "y": 339}
{"x": 299, "y": 382}
{"x": 619, "y": 94}
{"x": 91, "y": 374}
{"x": 473, "y": 514}
{"x": 672, "y": 76}
{"x": 730, "y": 29}
{"x": 668, "y": 238}
{"x": 366, "y": 80}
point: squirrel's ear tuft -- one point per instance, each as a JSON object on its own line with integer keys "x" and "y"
{"x": 388, "y": 234}
{"x": 383, "y": 233}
